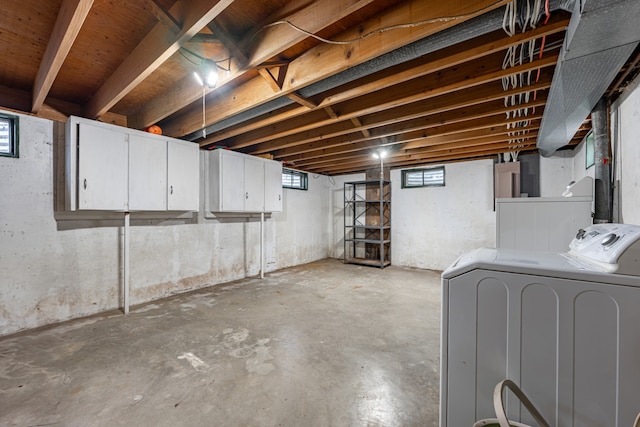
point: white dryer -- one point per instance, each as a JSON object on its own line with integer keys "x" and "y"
{"x": 564, "y": 326}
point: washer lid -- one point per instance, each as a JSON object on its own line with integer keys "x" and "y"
{"x": 535, "y": 263}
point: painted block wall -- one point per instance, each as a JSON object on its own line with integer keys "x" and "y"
{"x": 57, "y": 269}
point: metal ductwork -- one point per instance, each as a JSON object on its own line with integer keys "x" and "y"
{"x": 601, "y": 36}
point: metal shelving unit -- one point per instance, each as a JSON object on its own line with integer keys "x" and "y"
{"x": 367, "y": 223}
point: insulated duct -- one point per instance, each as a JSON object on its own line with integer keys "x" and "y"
{"x": 602, "y": 155}
{"x": 601, "y": 36}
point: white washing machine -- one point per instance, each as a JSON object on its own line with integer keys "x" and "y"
{"x": 563, "y": 326}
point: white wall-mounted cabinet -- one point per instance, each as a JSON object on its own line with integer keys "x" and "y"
{"x": 148, "y": 186}
{"x": 241, "y": 183}
{"x": 183, "y": 176}
{"x": 113, "y": 168}
{"x": 102, "y": 169}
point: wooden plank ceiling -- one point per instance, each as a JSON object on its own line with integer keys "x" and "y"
{"x": 131, "y": 62}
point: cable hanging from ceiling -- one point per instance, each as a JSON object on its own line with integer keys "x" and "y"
{"x": 206, "y": 74}
{"x": 523, "y": 15}
{"x": 384, "y": 29}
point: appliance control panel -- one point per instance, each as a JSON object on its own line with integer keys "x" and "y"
{"x": 612, "y": 247}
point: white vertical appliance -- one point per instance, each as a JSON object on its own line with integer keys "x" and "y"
{"x": 564, "y": 326}
{"x": 544, "y": 223}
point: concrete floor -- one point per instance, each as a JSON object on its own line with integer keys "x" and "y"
{"x": 322, "y": 344}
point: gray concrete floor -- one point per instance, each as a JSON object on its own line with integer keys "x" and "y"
{"x": 322, "y": 344}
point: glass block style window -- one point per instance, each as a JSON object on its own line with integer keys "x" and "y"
{"x": 428, "y": 177}
{"x": 294, "y": 179}
{"x": 8, "y": 135}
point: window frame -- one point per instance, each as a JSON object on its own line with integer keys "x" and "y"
{"x": 405, "y": 172}
{"x": 13, "y": 135}
{"x": 304, "y": 179}
{"x": 589, "y": 150}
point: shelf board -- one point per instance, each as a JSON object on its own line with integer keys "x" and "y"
{"x": 368, "y": 201}
{"x": 368, "y": 262}
{"x": 375, "y": 181}
{"x": 376, "y": 241}
{"x": 370, "y": 227}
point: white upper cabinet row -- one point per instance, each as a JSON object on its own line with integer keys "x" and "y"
{"x": 118, "y": 169}
{"x": 113, "y": 168}
{"x": 241, "y": 183}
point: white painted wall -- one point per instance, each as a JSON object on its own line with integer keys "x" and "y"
{"x": 432, "y": 226}
{"x": 626, "y": 142}
{"x": 556, "y": 172}
{"x": 55, "y": 270}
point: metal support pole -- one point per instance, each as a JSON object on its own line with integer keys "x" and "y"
{"x": 125, "y": 250}
{"x": 262, "y": 245}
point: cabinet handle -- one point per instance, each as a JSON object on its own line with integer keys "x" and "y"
{"x": 171, "y": 190}
{"x": 85, "y": 183}
{"x": 279, "y": 197}
{"x": 246, "y": 195}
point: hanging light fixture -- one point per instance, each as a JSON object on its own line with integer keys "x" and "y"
{"x": 207, "y": 74}
{"x": 381, "y": 154}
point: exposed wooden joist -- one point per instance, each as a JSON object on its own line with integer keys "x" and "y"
{"x": 454, "y": 55}
{"x": 395, "y": 118}
{"x": 488, "y": 116}
{"x": 153, "y": 51}
{"x": 314, "y": 16}
{"x": 490, "y": 127}
{"x": 431, "y": 144}
{"x": 296, "y": 97}
{"x": 358, "y": 124}
{"x": 68, "y": 24}
{"x": 424, "y": 159}
{"x": 163, "y": 15}
{"x": 325, "y": 60}
{"x": 278, "y": 136}
{"x": 53, "y": 109}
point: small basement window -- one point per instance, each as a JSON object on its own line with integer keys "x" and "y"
{"x": 8, "y": 135}
{"x": 294, "y": 179}
{"x": 428, "y": 177}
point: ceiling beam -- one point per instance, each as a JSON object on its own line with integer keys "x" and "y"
{"x": 423, "y": 159}
{"x": 463, "y": 52}
{"x": 262, "y": 46}
{"x": 158, "y": 46}
{"x": 68, "y": 24}
{"x": 417, "y": 140}
{"x": 326, "y": 60}
{"x": 295, "y": 131}
{"x": 53, "y": 109}
{"x": 414, "y": 142}
{"x": 162, "y": 14}
{"x": 396, "y": 118}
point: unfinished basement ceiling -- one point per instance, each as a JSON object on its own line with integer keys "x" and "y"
{"x": 319, "y": 85}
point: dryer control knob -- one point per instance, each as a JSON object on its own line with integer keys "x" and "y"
{"x": 610, "y": 239}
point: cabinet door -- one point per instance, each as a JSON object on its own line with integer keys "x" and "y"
{"x": 253, "y": 184}
{"x": 183, "y": 174}
{"x": 147, "y": 173}
{"x": 272, "y": 186}
{"x": 232, "y": 179}
{"x": 102, "y": 169}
